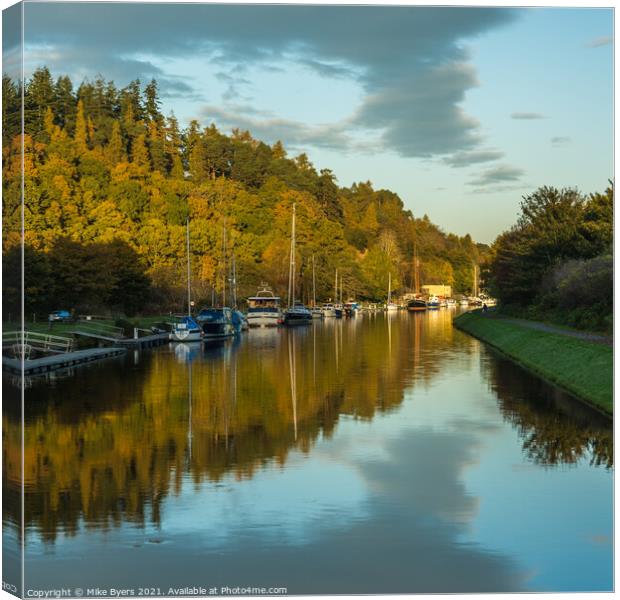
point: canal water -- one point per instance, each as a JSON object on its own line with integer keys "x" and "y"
{"x": 382, "y": 454}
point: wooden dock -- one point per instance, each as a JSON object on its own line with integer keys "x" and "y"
{"x": 59, "y": 361}
{"x": 145, "y": 341}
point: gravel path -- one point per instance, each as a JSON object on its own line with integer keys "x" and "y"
{"x": 581, "y": 335}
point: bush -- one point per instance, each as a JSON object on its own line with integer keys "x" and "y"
{"x": 583, "y": 284}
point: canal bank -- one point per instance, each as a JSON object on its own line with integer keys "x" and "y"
{"x": 583, "y": 368}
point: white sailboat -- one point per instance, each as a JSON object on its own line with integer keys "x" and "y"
{"x": 390, "y": 306}
{"x": 317, "y": 313}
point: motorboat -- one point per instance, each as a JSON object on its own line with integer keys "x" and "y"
{"x": 433, "y": 303}
{"x": 264, "y": 309}
{"x": 328, "y": 310}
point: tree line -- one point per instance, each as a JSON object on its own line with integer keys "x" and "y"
{"x": 556, "y": 262}
{"x": 106, "y": 173}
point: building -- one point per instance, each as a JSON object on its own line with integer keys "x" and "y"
{"x": 437, "y": 290}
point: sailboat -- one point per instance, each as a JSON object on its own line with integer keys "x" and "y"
{"x": 329, "y": 309}
{"x": 390, "y": 306}
{"x": 217, "y": 322}
{"x": 417, "y": 303}
{"x": 338, "y": 310}
{"x": 317, "y": 313}
{"x": 239, "y": 320}
{"x": 296, "y": 313}
{"x": 187, "y": 330}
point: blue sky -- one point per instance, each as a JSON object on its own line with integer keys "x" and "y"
{"x": 459, "y": 110}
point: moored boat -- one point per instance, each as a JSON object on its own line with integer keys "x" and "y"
{"x": 216, "y": 323}
{"x": 239, "y": 320}
{"x": 328, "y": 310}
{"x": 432, "y": 303}
{"x": 416, "y": 304}
{"x": 264, "y": 309}
{"x": 350, "y": 309}
{"x": 187, "y": 330}
{"x": 297, "y": 314}
{"x": 390, "y": 306}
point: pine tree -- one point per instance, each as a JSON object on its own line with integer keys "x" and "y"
{"x": 152, "y": 102}
{"x": 81, "y": 135}
{"x": 115, "y": 151}
{"x": 139, "y": 152}
{"x": 64, "y": 104}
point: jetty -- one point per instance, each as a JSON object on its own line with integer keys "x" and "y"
{"x": 59, "y": 351}
{"x": 58, "y": 361}
{"x": 145, "y": 341}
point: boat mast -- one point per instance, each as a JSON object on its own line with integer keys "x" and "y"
{"x": 291, "y": 270}
{"x": 189, "y": 300}
{"x": 475, "y": 281}
{"x": 336, "y": 287}
{"x": 233, "y": 289}
{"x": 389, "y": 287}
{"x": 224, "y": 269}
{"x": 416, "y": 272}
{"x": 313, "y": 285}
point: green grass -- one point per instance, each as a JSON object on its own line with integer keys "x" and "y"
{"x": 583, "y": 368}
{"x": 64, "y": 328}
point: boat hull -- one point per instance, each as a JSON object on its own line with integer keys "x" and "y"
{"x": 217, "y": 330}
{"x": 185, "y": 335}
{"x": 297, "y": 316}
{"x": 270, "y": 319}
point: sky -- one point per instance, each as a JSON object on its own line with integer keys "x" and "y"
{"x": 459, "y": 110}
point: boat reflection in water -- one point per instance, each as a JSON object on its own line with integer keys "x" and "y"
{"x": 352, "y": 446}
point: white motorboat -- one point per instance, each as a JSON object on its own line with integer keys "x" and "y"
{"x": 328, "y": 310}
{"x": 264, "y": 309}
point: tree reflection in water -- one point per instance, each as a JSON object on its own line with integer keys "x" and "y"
{"x": 110, "y": 443}
{"x": 555, "y": 428}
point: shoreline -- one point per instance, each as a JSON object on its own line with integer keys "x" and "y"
{"x": 580, "y": 367}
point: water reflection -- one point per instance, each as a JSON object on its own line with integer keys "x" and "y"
{"x": 212, "y": 449}
{"x": 555, "y": 428}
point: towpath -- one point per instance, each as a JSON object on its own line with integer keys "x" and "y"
{"x": 581, "y": 335}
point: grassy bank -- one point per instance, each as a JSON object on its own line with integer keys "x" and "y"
{"x": 583, "y": 368}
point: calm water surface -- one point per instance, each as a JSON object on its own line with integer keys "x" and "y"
{"x": 379, "y": 454}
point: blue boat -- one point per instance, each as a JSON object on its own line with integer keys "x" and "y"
{"x": 216, "y": 323}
